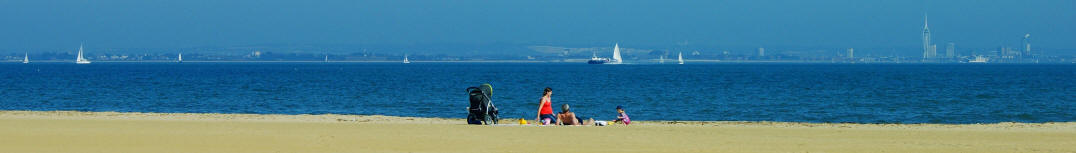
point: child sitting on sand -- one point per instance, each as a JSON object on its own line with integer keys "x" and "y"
{"x": 622, "y": 116}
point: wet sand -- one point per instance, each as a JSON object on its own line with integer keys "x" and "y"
{"x": 64, "y": 131}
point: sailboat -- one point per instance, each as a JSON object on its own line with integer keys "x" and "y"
{"x": 326, "y": 58}
{"x": 180, "y": 58}
{"x": 616, "y": 54}
{"x": 616, "y": 57}
{"x": 405, "y": 60}
{"x": 680, "y": 57}
{"x": 662, "y": 60}
{"x": 25, "y": 58}
{"x": 81, "y": 60}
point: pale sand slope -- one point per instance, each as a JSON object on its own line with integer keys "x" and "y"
{"x": 22, "y": 131}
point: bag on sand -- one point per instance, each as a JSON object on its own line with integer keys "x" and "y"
{"x": 600, "y": 123}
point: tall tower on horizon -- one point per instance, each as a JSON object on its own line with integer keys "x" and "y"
{"x": 929, "y": 51}
{"x": 926, "y": 40}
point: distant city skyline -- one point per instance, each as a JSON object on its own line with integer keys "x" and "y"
{"x": 743, "y": 26}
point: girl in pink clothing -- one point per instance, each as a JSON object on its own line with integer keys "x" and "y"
{"x": 622, "y": 116}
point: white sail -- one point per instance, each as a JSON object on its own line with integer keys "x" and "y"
{"x": 180, "y": 58}
{"x": 405, "y": 60}
{"x": 680, "y": 57}
{"x": 662, "y": 60}
{"x": 326, "y": 58}
{"x": 81, "y": 60}
{"x": 616, "y": 54}
{"x": 26, "y": 58}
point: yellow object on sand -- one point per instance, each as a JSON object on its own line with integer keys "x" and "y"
{"x": 522, "y": 121}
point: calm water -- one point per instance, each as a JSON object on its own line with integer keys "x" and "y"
{"x": 748, "y": 92}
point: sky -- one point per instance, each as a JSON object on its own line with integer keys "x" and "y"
{"x": 710, "y": 23}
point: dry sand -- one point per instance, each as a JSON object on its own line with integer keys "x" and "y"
{"x": 27, "y": 131}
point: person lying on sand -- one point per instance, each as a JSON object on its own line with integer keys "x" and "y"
{"x": 566, "y": 116}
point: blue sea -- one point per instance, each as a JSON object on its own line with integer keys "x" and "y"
{"x": 858, "y": 93}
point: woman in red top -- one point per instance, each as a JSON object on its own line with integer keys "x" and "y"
{"x": 545, "y": 108}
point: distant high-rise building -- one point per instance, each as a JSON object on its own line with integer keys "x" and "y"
{"x": 926, "y": 39}
{"x": 761, "y": 51}
{"x": 851, "y": 53}
{"x": 1027, "y": 45}
{"x": 950, "y": 51}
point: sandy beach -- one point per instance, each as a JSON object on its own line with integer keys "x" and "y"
{"x": 65, "y": 131}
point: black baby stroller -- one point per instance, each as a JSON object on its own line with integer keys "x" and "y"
{"x": 482, "y": 109}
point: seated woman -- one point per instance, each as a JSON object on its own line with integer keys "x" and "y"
{"x": 545, "y": 109}
{"x": 567, "y": 117}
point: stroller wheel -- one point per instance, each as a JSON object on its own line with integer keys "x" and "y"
{"x": 472, "y": 119}
{"x": 489, "y": 120}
